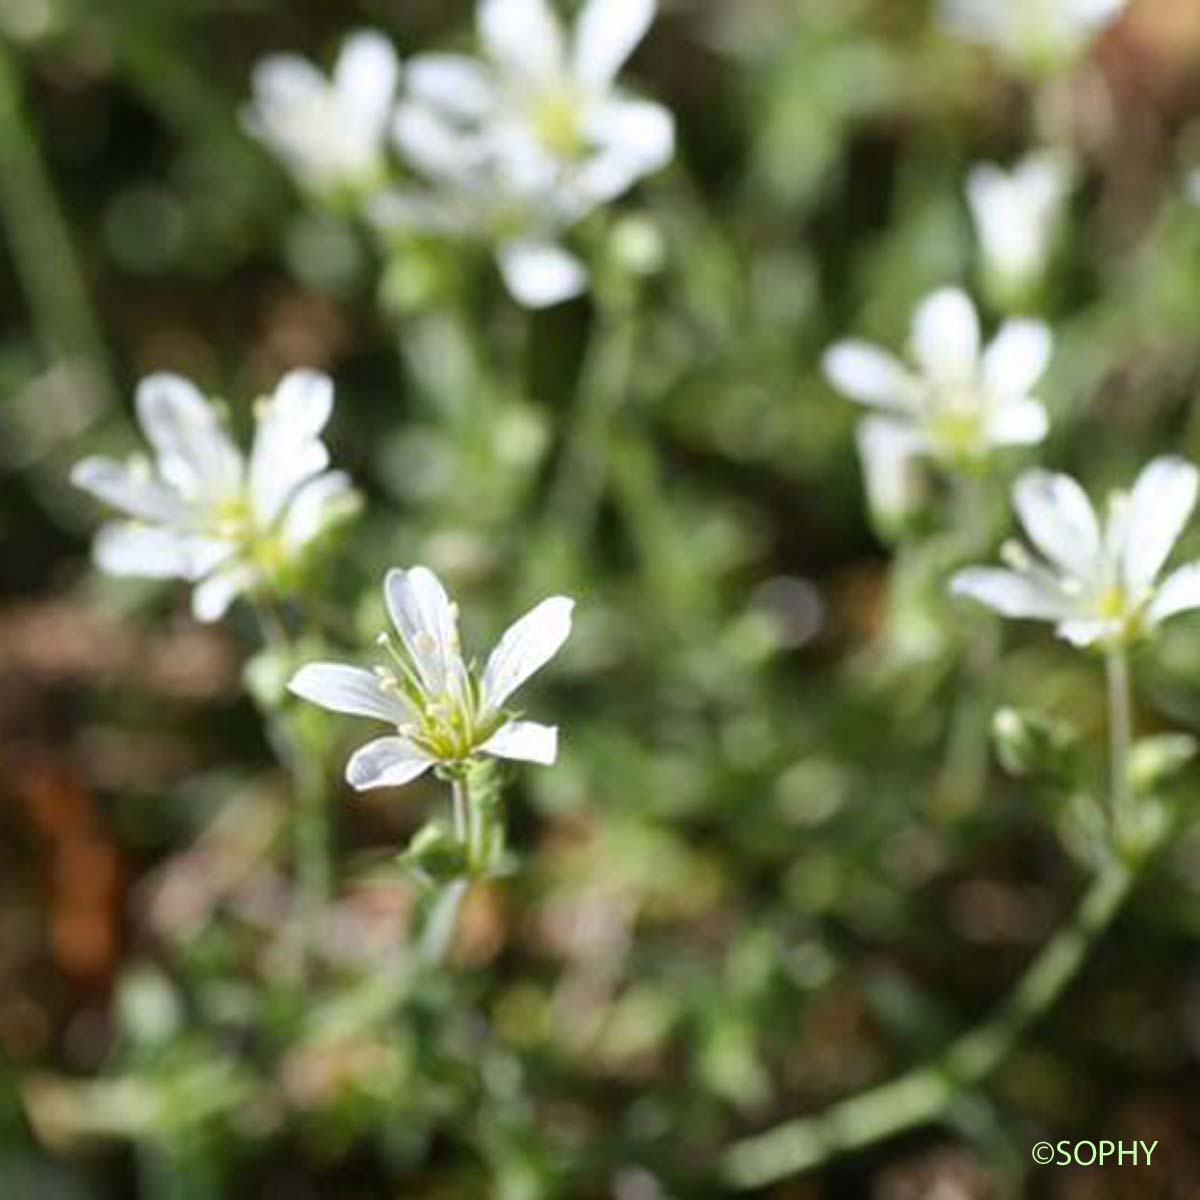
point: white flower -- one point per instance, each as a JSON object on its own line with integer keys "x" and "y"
{"x": 1035, "y": 34}
{"x": 960, "y": 403}
{"x": 521, "y": 144}
{"x": 444, "y": 712}
{"x": 331, "y": 133}
{"x": 1017, "y": 215}
{"x": 201, "y": 512}
{"x": 1096, "y": 584}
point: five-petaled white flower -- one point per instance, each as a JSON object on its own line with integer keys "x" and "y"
{"x": 1037, "y": 35}
{"x": 444, "y": 712}
{"x": 1097, "y": 584}
{"x": 523, "y": 143}
{"x": 1017, "y": 215}
{"x": 331, "y": 133}
{"x": 201, "y": 512}
{"x": 960, "y": 403}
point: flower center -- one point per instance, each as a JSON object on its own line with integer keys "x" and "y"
{"x": 447, "y": 726}
{"x": 1113, "y": 604}
{"x": 558, "y": 122}
{"x": 231, "y": 519}
{"x": 956, "y": 426}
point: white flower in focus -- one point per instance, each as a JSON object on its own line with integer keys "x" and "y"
{"x": 1097, "y": 583}
{"x": 1017, "y": 215}
{"x": 961, "y": 402}
{"x": 443, "y": 711}
{"x": 521, "y": 144}
{"x": 331, "y": 133}
{"x": 200, "y": 511}
{"x": 1037, "y": 35}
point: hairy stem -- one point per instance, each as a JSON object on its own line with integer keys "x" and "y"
{"x": 1120, "y": 741}
{"x": 926, "y": 1093}
{"x": 441, "y": 914}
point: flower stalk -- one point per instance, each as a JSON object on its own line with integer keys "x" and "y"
{"x": 1120, "y": 737}
{"x": 927, "y": 1093}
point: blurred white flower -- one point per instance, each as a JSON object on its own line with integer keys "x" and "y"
{"x": 443, "y": 710}
{"x": 201, "y": 512}
{"x": 331, "y": 133}
{"x": 1096, "y": 584}
{"x": 521, "y": 144}
{"x": 960, "y": 403}
{"x": 1017, "y": 215}
{"x": 1035, "y": 34}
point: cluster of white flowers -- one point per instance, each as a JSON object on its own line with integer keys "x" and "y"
{"x": 960, "y": 403}
{"x": 511, "y": 149}
{"x": 1099, "y": 584}
{"x": 200, "y": 511}
{"x": 1035, "y": 35}
{"x": 444, "y": 712}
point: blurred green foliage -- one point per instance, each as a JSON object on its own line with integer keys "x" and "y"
{"x": 775, "y": 863}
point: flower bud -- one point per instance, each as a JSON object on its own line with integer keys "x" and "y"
{"x": 1156, "y": 759}
{"x": 1029, "y": 744}
{"x": 436, "y": 854}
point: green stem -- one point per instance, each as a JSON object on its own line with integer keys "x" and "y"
{"x": 1120, "y": 740}
{"x": 441, "y": 921}
{"x": 41, "y": 246}
{"x": 926, "y": 1093}
{"x": 441, "y": 916}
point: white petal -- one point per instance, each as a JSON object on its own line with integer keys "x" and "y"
{"x": 526, "y": 741}
{"x": 1096, "y": 13}
{"x": 1087, "y": 631}
{"x": 1060, "y": 521}
{"x": 632, "y": 138}
{"x": 212, "y": 597}
{"x": 282, "y": 84}
{"x": 287, "y": 446}
{"x": 136, "y": 492}
{"x": 454, "y": 83}
{"x": 423, "y": 212}
{"x": 427, "y": 623}
{"x": 365, "y": 78}
{"x": 432, "y": 145}
{"x": 605, "y": 36}
{"x": 945, "y": 336}
{"x": 869, "y": 375}
{"x": 539, "y": 274}
{"x": 155, "y": 553}
{"x": 1018, "y": 422}
{"x": 350, "y": 690}
{"x": 1017, "y": 358}
{"x": 1159, "y": 507}
{"x": 386, "y": 762}
{"x": 890, "y": 454}
{"x": 314, "y": 506}
{"x": 526, "y": 647}
{"x": 524, "y": 36}
{"x": 194, "y": 450}
{"x": 1010, "y": 594}
{"x": 1180, "y": 592}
